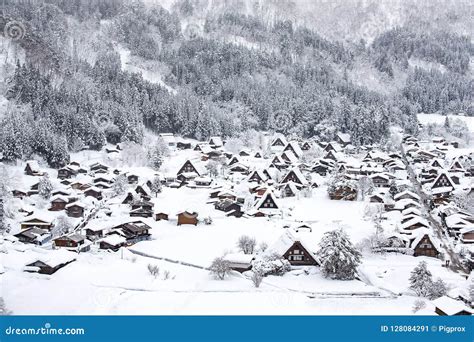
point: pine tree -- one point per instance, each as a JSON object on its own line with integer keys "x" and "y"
{"x": 45, "y": 187}
{"x": 447, "y": 124}
{"x": 120, "y": 185}
{"x": 339, "y": 258}
{"x": 421, "y": 279}
{"x": 155, "y": 157}
{"x": 156, "y": 185}
{"x": 4, "y": 226}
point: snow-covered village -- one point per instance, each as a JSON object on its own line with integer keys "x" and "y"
{"x": 231, "y": 171}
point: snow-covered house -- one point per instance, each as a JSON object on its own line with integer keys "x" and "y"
{"x": 191, "y": 168}
{"x": 279, "y": 141}
{"x": 442, "y": 186}
{"x": 239, "y": 262}
{"x": 216, "y": 142}
{"x": 258, "y": 176}
{"x": 423, "y": 243}
{"x": 42, "y": 221}
{"x": 294, "y": 147}
{"x": 50, "y": 262}
{"x": 32, "y": 168}
{"x": 294, "y": 175}
{"x": 446, "y": 306}
{"x": 34, "y": 235}
{"x": 267, "y": 202}
{"x": 343, "y": 139}
{"x": 296, "y": 248}
{"x": 414, "y": 223}
{"x": 406, "y": 194}
{"x": 169, "y": 139}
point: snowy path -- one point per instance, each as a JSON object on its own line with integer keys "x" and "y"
{"x": 184, "y": 263}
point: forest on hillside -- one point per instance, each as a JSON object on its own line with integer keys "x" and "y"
{"x": 70, "y": 89}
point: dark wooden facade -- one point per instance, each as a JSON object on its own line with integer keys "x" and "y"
{"x": 297, "y": 255}
{"x": 187, "y": 218}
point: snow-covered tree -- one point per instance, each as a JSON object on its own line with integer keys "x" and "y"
{"x": 256, "y": 278}
{"x": 339, "y": 258}
{"x": 366, "y": 187}
{"x": 438, "y": 289}
{"x": 120, "y": 185}
{"x": 247, "y": 244}
{"x": 213, "y": 168}
{"x": 4, "y": 226}
{"x": 262, "y": 247}
{"x": 272, "y": 264}
{"x": 63, "y": 225}
{"x": 3, "y": 309}
{"x": 156, "y": 185}
{"x": 312, "y": 154}
{"x": 155, "y": 157}
{"x": 418, "y": 305}
{"x": 421, "y": 280}
{"x": 45, "y": 187}
{"x": 220, "y": 268}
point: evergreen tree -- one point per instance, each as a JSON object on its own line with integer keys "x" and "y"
{"x": 421, "y": 280}
{"x": 45, "y": 187}
{"x": 339, "y": 258}
{"x": 155, "y": 157}
{"x": 156, "y": 185}
{"x": 120, "y": 185}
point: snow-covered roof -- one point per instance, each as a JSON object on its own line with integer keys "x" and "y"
{"x": 114, "y": 239}
{"x": 56, "y": 258}
{"x": 418, "y": 234}
{"x": 259, "y": 204}
{"x": 406, "y": 193}
{"x": 33, "y": 164}
{"x": 216, "y": 141}
{"x": 239, "y": 258}
{"x": 287, "y": 239}
{"x": 76, "y": 204}
{"x": 450, "y": 306}
{"x": 295, "y": 147}
{"x": 290, "y": 156}
{"x": 345, "y": 137}
{"x": 412, "y": 210}
{"x": 415, "y": 220}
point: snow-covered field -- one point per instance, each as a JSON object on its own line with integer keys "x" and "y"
{"x": 439, "y": 119}
{"x": 106, "y": 282}
{"x": 119, "y": 283}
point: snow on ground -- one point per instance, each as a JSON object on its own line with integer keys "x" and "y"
{"x": 439, "y": 119}
{"x": 136, "y": 64}
{"x": 102, "y": 282}
{"x": 119, "y": 283}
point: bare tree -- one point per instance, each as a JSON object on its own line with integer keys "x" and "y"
{"x": 247, "y": 244}
{"x": 263, "y": 246}
{"x": 63, "y": 225}
{"x": 418, "y": 305}
{"x": 154, "y": 270}
{"x": 220, "y": 268}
